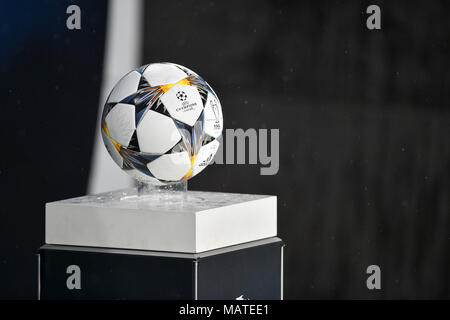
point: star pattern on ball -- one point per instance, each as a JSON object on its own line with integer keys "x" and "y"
{"x": 151, "y": 129}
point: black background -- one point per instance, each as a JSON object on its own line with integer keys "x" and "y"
{"x": 50, "y": 87}
{"x": 363, "y": 118}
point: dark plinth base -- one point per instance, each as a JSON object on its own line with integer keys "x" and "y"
{"x": 253, "y": 270}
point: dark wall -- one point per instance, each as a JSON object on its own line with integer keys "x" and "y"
{"x": 50, "y": 86}
{"x": 364, "y": 125}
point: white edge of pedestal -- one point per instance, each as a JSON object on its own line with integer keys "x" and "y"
{"x": 228, "y": 225}
{"x": 66, "y": 225}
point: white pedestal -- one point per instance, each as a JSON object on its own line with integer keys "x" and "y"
{"x": 188, "y": 222}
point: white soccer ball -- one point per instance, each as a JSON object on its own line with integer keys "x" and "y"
{"x": 162, "y": 123}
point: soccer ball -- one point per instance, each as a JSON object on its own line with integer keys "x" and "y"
{"x": 162, "y": 123}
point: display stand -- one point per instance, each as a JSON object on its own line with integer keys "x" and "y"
{"x": 162, "y": 242}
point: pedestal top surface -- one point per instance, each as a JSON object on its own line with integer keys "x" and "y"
{"x": 176, "y": 201}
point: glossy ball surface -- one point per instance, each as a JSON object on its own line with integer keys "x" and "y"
{"x": 162, "y": 123}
